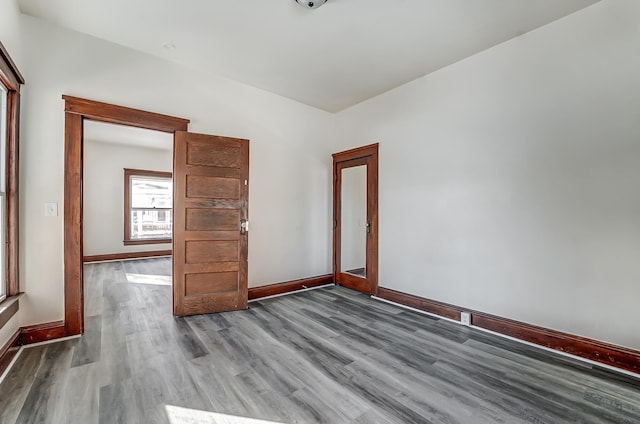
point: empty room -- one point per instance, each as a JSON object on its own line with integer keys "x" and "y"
{"x": 330, "y": 211}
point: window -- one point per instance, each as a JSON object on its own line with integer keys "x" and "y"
{"x": 148, "y": 203}
{"x": 3, "y": 195}
{"x": 10, "y": 83}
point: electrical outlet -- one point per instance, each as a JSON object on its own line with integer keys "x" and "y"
{"x": 465, "y": 318}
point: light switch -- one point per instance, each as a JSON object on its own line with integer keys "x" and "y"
{"x": 50, "y": 209}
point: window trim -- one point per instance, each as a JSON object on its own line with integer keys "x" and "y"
{"x": 128, "y": 173}
{"x": 11, "y": 79}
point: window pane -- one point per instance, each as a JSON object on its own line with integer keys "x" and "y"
{"x": 148, "y": 192}
{"x": 150, "y": 224}
{"x": 3, "y": 221}
{"x": 3, "y": 135}
{"x": 3, "y": 212}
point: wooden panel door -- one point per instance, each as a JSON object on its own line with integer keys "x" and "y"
{"x": 211, "y": 177}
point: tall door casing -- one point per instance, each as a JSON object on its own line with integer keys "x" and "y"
{"x": 362, "y": 156}
{"x": 211, "y": 189}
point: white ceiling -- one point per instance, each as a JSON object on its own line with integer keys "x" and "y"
{"x": 129, "y": 136}
{"x": 333, "y": 57}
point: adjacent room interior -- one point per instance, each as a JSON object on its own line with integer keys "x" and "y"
{"x": 415, "y": 211}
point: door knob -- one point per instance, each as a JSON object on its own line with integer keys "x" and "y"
{"x": 244, "y": 226}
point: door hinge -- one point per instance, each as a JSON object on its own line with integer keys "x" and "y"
{"x": 244, "y": 226}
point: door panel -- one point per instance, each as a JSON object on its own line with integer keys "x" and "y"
{"x": 211, "y": 176}
{"x": 220, "y": 156}
{"x": 203, "y": 283}
{"x": 204, "y": 252}
{"x": 212, "y": 219}
{"x": 212, "y": 187}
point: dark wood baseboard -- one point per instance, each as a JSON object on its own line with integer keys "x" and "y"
{"x": 42, "y": 332}
{"x": 289, "y": 286}
{"x": 28, "y": 335}
{"x": 594, "y": 350}
{"x": 9, "y": 351}
{"x": 127, "y": 255}
{"x": 437, "y": 308}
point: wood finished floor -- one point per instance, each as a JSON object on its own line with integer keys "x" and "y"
{"x": 328, "y": 355}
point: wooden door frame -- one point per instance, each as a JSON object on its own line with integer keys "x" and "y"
{"x": 355, "y": 157}
{"x": 78, "y": 110}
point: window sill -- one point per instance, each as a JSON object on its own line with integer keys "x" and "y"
{"x": 147, "y": 241}
{"x": 8, "y": 308}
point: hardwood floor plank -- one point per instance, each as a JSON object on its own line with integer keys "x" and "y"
{"x": 329, "y": 355}
{"x": 190, "y": 344}
{"x": 89, "y": 346}
{"x": 81, "y": 396}
{"x": 42, "y": 401}
{"x": 19, "y": 380}
{"x": 116, "y": 404}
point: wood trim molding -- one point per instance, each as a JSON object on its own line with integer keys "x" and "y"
{"x": 105, "y": 112}
{"x": 12, "y": 194}
{"x": 9, "y": 351}
{"x": 73, "y": 285}
{"x": 42, "y": 332}
{"x": 366, "y": 155}
{"x": 8, "y": 69}
{"x": 12, "y": 80}
{"x": 358, "y": 152}
{"x": 594, "y": 350}
{"x": 437, "y": 308}
{"x": 127, "y": 255}
{"x": 76, "y": 111}
{"x": 289, "y": 286}
{"x": 28, "y": 335}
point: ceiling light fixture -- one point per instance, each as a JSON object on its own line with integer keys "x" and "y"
{"x": 314, "y": 4}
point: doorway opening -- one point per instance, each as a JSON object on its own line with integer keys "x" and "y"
{"x": 127, "y": 204}
{"x": 209, "y": 214}
{"x": 355, "y": 214}
{"x": 77, "y": 112}
{"x": 127, "y": 191}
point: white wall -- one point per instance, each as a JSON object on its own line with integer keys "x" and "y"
{"x": 290, "y": 171}
{"x": 519, "y": 169}
{"x": 103, "y": 193}
{"x": 10, "y": 38}
{"x": 10, "y": 29}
